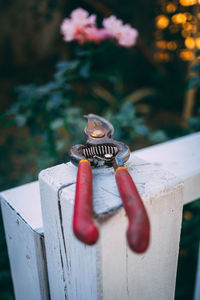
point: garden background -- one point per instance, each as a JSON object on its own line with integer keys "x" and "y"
{"x": 149, "y": 92}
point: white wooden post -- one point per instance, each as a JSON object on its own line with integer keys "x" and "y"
{"x": 110, "y": 270}
{"x": 181, "y": 157}
{"x": 25, "y": 241}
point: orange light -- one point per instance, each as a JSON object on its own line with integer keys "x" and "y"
{"x": 162, "y": 21}
{"x": 172, "y": 45}
{"x": 190, "y": 43}
{"x": 187, "y": 26}
{"x": 188, "y": 2}
{"x": 197, "y": 42}
{"x": 193, "y": 20}
{"x": 185, "y": 33}
{"x": 189, "y": 16}
{"x": 171, "y": 7}
{"x": 186, "y": 55}
{"x": 179, "y": 18}
{"x": 161, "y": 44}
{"x": 194, "y": 28}
{"x": 162, "y": 56}
{"x": 174, "y": 28}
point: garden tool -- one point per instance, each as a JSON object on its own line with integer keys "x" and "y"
{"x": 98, "y": 151}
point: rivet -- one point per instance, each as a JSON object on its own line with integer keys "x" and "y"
{"x": 108, "y": 155}
{"x": 97, "y": 133}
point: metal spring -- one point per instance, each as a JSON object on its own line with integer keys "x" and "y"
{"x": 99, "y": 150}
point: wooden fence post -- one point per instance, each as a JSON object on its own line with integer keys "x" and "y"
{"x": 109, "y": 270}
{"x": 181, "y": 157}
{"x": 25, "y": 241}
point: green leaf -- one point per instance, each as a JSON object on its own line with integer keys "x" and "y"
{"x": 104, "y": 76}
{"x": 158, "y": 136}
{"x": 196, "y": 67}
{"x": 61, "y": 145}
{"x": 4, "y": 115}
{"x": 197, "y": 53}
{"x": 67, "y": 66}
{"x": 83, "y": 53}
{"x": 85, "y": 69}
{"x": 54, "y": 101}
{"x": 20, "y": 120}
{"x": 141, "y": 130}
{"x": 63, "y": 68}
{"x": 56, "y": 124}
{"x": 193, "y": 82}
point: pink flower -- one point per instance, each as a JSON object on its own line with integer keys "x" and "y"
{"x": 72, "y": 28}
{"x": 68, "y": 29}
{"x": 125, "y": 34}
{"x": 96, "y": 35}
{"x": 81, "y": 18}
{"x": 81, "y": 27}
{"x": 113, "y": 25}
{"x": 128, "y": 36}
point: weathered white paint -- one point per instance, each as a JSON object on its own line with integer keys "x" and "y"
{"x": 24, "y": 235}
{"x": 181, "y": 157}
{"x": 109, "y": 270}
{"x": 152, "y": 275}
{"x": 71, "y": 265}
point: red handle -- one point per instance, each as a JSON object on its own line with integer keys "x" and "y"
{"x": 138, "y": 232}
{"x": 83, "y": 225}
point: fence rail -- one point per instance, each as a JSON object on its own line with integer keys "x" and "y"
{"x": 167, "y": 176}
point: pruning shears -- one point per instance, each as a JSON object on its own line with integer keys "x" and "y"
{"x": 98, "y": 151}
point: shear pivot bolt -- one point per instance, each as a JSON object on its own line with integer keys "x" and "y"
{"x": 108, "y": 155}
{"x": 97, "y": 133}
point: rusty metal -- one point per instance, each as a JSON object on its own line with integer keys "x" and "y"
{"x": 100, "y": 149}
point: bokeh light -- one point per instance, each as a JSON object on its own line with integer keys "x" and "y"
{"x": 183, "y": 27}
{"x": 188, "y": 2}
{"x": 162, "y": 21}
{"x": 179, "y": 18}
{"x": 172, "y": 45}
{"x": 161, "y": 44}
{"x": 186, "y": 55}
{"x": 163, "y": 56}
{"x": 197, "y": 42}
{"x": 170, "y": 7}
{"x": 190, "y": 42}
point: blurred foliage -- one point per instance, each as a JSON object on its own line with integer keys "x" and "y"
{"x": 54, "y": 124}
{"x": 194, "y": 83}
{"x": 194, "y": 122}
{"x": 189, "y": 245}
{"x": 194, "y": 79}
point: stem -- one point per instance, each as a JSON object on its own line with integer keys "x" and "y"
{"x": 53, "y": 151}
{"x": 190, "y": 94}
{"x": 189, "y": 101}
